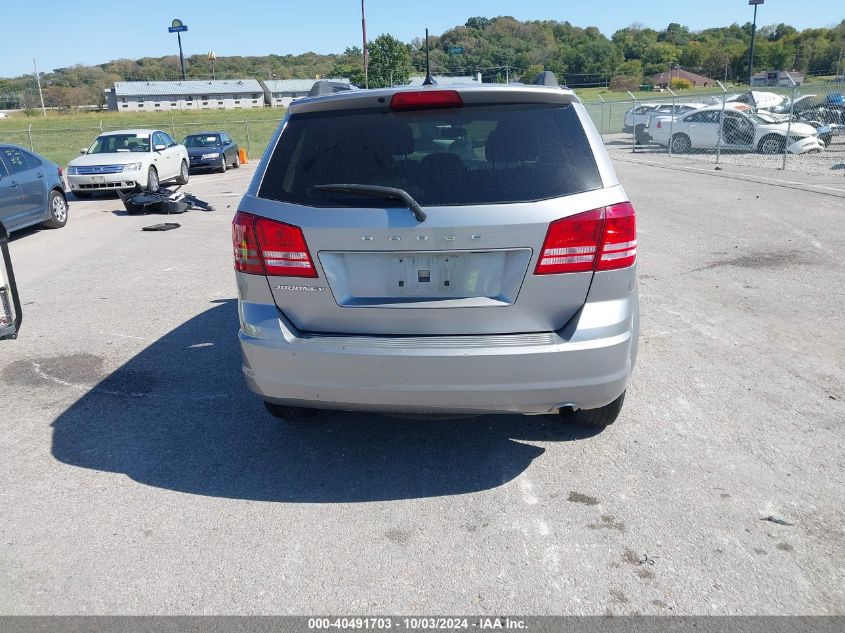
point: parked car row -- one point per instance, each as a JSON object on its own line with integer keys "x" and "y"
{"x": 636, "y": 120}
{"x": 147, "y": 158}
{"x": 739, "y": 129}
{"x": 32, "y": 188}
{"x": 754, "y": 120}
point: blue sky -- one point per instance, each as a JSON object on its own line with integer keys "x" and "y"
{"x": 64, "y": 33}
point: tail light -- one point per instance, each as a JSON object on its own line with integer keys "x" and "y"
{"x": 266, "y": 247}
{"x": 601, "y": 239}
{"x": 61, "y": 173}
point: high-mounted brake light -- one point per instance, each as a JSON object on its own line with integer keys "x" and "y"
{"x": 601, "y": 239}
{"x": 426, "y": 99}
{"x": 267, "y": 247}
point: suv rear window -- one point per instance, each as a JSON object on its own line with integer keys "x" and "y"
{"x": 456, "y": 156}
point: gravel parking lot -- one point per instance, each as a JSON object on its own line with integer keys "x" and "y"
{"x": 140, "y": 476}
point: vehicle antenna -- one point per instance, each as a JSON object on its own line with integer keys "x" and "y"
{"x": 429, "y": 81}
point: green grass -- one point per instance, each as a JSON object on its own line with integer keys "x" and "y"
{"x": 60, "y": 136}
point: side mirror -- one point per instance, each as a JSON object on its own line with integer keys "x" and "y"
{"x": 160, "y": 148}
{"x": 10, "y": 303}
{"x": 84, "y": 150}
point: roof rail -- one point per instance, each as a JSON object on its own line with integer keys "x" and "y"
{"x": 326, "y": 87}
{"x": 545, "y": 78}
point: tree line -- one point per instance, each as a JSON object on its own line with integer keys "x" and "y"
{"x": 500, "y": 48}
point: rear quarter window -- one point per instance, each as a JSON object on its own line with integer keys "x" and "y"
{"x": 455, "y": 156}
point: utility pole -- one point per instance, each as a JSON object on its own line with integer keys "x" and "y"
{"x": 726, "y": 69}
{"x": 753, "y": 31}
{"x": 38, "y": 81}
{"x": 364, "y": 39}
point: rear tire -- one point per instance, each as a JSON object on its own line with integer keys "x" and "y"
{"x": 57, "y": 208}
{"x": 681, "y": 144}
{"x": 601, "y": 417}
{"x": 285, "y": 412}
{"x": 640, "y": 137}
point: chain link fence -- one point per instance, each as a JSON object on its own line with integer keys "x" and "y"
{"x": 795, "y": 128}
{"x": 61, "y": 144}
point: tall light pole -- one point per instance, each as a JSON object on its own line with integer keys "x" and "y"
{"x": 178, "y": 27}
{"x": 364, "y": 39}
{"x": 753, "y": 31}
{"x": 211, "y": 58}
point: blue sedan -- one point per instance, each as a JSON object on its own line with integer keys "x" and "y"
{"x": 31, "y": 190}
{"x": 212, "y": 150}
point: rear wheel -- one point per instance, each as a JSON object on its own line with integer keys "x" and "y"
{"x": 183, "y": 174}
{"x": 57, "y": 207}
{"x": 640, "y": 137}
{"x": 601, "y": 417}
{"x": 681, "y": 144}
{"x": 285, "y": 412}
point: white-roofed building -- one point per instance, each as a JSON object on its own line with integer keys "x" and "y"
{"x": 280, "y": 92}
{"x": 155, "y": 96}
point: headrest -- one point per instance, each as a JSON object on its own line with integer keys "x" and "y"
{"x": 508, "y": 144}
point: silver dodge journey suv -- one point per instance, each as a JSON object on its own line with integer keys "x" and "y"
{"x": 438, "y": 250}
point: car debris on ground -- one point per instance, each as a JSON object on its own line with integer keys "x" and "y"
{"x": 167, "y": 201}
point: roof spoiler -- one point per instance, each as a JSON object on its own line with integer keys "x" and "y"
{"x": 545, "y": 78}
{"x": 325, "y": 87}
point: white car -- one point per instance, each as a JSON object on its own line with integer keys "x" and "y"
{"x": 636, "y": 119}
{"x": 126, "y": 158}
{"x": 743, "y": 130}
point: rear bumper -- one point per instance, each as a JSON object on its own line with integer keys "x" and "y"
{"x": 586, "y": 365}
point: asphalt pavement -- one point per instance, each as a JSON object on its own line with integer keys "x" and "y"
{"x": 139, "y": 476}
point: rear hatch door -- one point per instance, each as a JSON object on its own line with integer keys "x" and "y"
{"x": 490, "y": 178}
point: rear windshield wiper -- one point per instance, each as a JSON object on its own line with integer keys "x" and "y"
{"x": 382, "y": 192}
